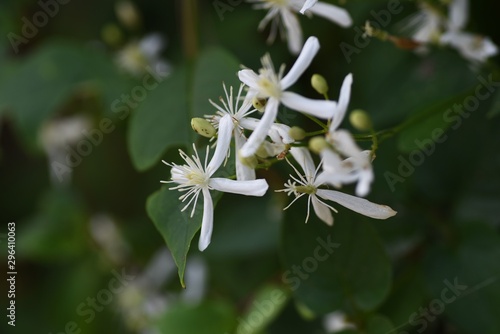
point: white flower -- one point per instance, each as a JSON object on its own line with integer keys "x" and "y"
{"x": 137, "y": 56}
{"x": 272, "y": 86}
{"x": 426, "y": 25}
{"x": 473, "y": 47}
{"x": 195, "y": 177}
{"x": 357, "y": 165}
{"x": 309, "y": 183}
{"x": 238, "y": 114}
{"x": 430, "y": 26}
{"x": 281, "y": 14}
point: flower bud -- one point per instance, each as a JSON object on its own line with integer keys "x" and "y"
{"x": 297, "y": 133}
{"x": 128, "y": 14}
{"x": 360, "y": 120}
{"x": 203, "y": 127}
{"x": 319, "y": 84}
{"x": 250, "y": 161}
{"x": 259, "y": 104}
{"x": 111, "y": 34}
{"x": 318, "y": 144}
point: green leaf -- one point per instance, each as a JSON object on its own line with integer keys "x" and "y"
{"x": 57, "y": 232}
{"x": 339, "y": 267}
{"x": 408, "y": 295}
{"x": 161, "y": 121}
{"x": 233, "y": 239}
{"x": 215, "y": 66}
{"x": 378, "y": 324}
{"x": 177, "y": 228}
{"x": 47, "y": 79}
{"x": 430, "y": 124}
{"x": 207, "y": 318}
{"x": 464, "y": 281}
{"x": 267, "y": 304}
{"x": 163, "y": 118}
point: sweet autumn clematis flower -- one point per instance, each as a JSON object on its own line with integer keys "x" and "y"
{"x": 196, "y": 177}
{"x": 309, "y": 183}
{"x": 272, "y": 86}
{"x": 282, "y": 14}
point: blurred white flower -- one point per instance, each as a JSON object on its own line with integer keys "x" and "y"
{"x": 137, "y": 57}
{"x": 309, "y": 183}
{"x": 336, "y": 322}
{"x": 195, "y": 177}
{"x": 272, "y": 86}
{"x": 107, "y": 235}
{"x": 282, "y": 15}
{"x": 429, "y": 26}
{"x": 54, "y": 137}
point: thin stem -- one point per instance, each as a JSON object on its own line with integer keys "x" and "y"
{"x": 189, "y": 19}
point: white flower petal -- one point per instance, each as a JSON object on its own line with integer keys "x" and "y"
{"x": 458, "y": 14}
{"x": 280, "y": 133}
{"x": 356, "y": 204}
{"x": 305, "y": 58}
{"x": 249, "y": 123}
{"x": 364, "y": 182}
{"x": 207, "y": 222}
{"x": 151, "y": 45}
{"x": 317, "y": 108}
{"x": 345, "y": 96}
{"x": 345, "y": 143}
{"x": 223, "y": 141}
{"x": 293, "y": 31}
{"x": 322, "y": 211}
{"x": 473, "y": 47}
{"x": 332, "y": 13}
{"x": 248, "y": 188}
{"x": 307, "y": 5}
{"x": 304, "y": 159}
{"x": 259, "y": 135}
{"x": 243, "y": 172}
{"x": 249, "y": 78}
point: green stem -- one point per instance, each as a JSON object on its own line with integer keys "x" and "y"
{"x": 317, "y": 121}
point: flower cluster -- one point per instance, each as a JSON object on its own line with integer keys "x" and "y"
{"x": 263, "y": 141}
{"x": 429, "y": 25}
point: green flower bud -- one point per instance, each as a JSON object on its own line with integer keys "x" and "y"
{"x": 203, "y": 127}
{"x": 128, "y": 14}
{"x": 360, "y": 120}
{"x": 111, "y": 34}
{"x": 251, "y": 161}
{"x": 319, "y": 84}
{"x": 297, "y": 133}
{"x": 262, "y": 152}
{"x": 259, "y": 104}
{"x": 318, "y": 144}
